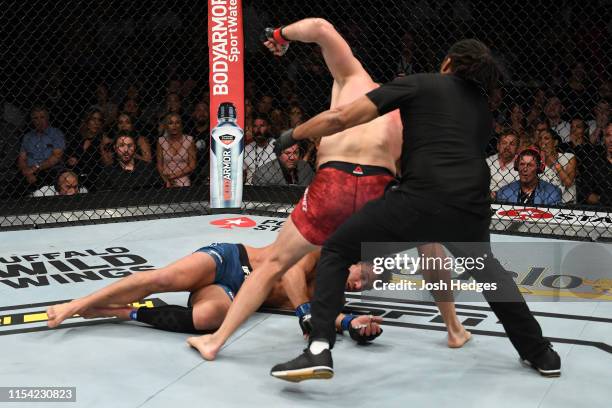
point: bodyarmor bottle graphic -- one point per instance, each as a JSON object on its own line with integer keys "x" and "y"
{"x": 227, "y": 155}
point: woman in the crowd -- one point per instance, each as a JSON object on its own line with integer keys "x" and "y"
{"x": 176, "y": 153}
{"x": 585, "y": 153}
{"x": 560, "y": 169}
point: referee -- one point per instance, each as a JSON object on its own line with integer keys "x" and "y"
{"x": 442, "y": 197}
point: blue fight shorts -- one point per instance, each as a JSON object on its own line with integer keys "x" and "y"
{"x": 232, "y": 264}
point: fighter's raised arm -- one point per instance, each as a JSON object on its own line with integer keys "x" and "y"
{"x": 337, "y": 53}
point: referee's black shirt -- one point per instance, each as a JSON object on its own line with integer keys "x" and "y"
{"x": 447, "y": 125}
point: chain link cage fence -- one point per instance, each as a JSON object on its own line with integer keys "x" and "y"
{"x": 105, "y": 110}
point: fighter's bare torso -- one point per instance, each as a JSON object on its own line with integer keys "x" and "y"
{"x": 377, "y": 143}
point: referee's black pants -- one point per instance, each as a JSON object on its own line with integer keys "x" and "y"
{"x": 400, "y": 217}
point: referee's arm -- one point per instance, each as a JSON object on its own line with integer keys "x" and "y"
{"x": 332, "y": 121}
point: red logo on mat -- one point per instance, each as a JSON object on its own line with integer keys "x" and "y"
{"x": 525, "y": 213}
{"x": 229, "y": 223}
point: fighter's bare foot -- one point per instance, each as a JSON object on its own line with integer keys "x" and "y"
{"x": 457, "y": 339}
{"x": 206, "y": 345}
{"x": 56, "y": 314}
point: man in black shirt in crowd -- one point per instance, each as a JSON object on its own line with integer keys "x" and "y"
{"x": 442, "y": 197}
{"x": 127, "y": 172}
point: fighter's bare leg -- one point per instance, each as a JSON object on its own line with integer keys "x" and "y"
{"x": 457, "y": 335}
{"x": 288, "y": 248}
{"x": 210, "y": 305}
{"x": 189, "y": 273}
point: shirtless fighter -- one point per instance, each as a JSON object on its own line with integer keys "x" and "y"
{"x": 354, "y": 167}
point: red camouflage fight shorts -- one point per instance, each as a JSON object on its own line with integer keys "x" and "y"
{"x": 337, "y": 191}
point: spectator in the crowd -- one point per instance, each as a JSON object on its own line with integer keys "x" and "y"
{"x": 517, "y": 123}
{"x": 67, "y": 184}
{"x": 528, "y": 139}
{"x": 176, "y": 153}
{"x": 264, "y": 105}
{"x": 406, "y": 63}
{"x": 529, "y": 189}
{"x": 173, "y": 104}
{"x": 188, "y": 92}
{"x": 104, "y": 105}
{"x": 597, "y": 125}
{"x": 125, "y": 124}
{"x": 600, "y": 176}
{"x": 278, "y": 122}
{"x": 198, "y": 125}
{"x": 541, "y": 125}
{"x": 578, "y": 136}
{"x": 585, "y": 153}
{"x": 132, "y": 108}
{"x": 287, "y": 92}
{"x": 554, "y": 110}
{"x": 501, "y": 165}
{"x": 261, "y": 150}
{"x": 559, "y": 168}
{"x": 128, "y": 173}
{"x": 90, "y": 152}
{"x": 174, "y": 86}
{"x": 605, "y": 90}
{"x": 288, "y": 169}
{"x": 537, "y": 106}
{"x": 296, "y": 115}
{"x": 41, "y": 151}
{"x": 199, "y": 128}
{"x": 133, "y": 92}
{"x": 577, "y": 95}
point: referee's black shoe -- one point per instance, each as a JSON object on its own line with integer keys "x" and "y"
{"x": 547, "y": 363}
{"x": 306, "y": 366}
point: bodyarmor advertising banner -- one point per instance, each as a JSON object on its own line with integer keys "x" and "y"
{"x": 226, "y": 78}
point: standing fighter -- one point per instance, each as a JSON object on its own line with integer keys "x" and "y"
{"x": 355, "y": 166}
{"x": 442, "y": 197}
